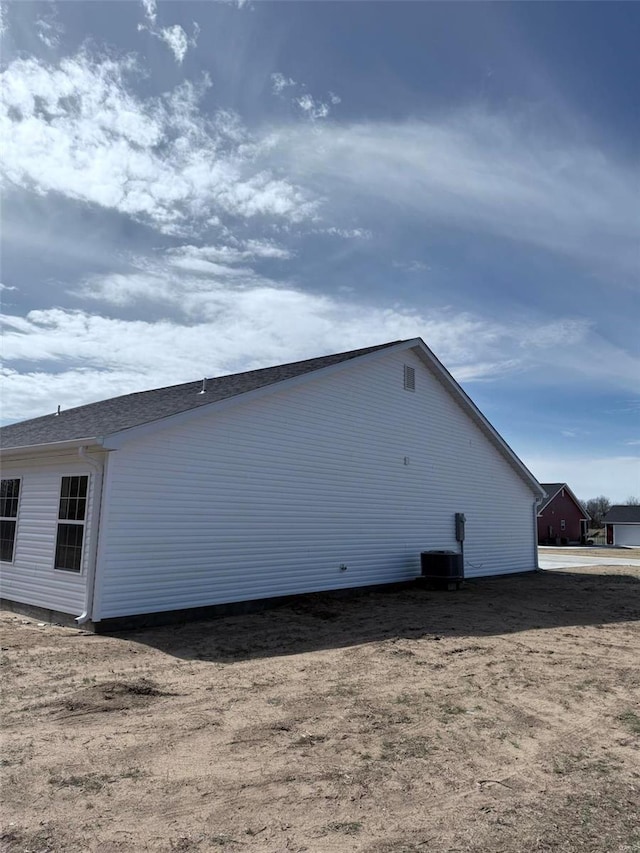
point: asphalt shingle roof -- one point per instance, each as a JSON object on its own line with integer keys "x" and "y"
{"x": 623, "y": 514}
{"x": 118, "y": 413}
{"x": 552, "y": 490}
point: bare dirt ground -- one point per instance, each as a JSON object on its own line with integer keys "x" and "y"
{"x": 504, "y": 717}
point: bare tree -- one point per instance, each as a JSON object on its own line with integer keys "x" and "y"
{"x": 597, "y": 509}
{"x": 632, "y": 500}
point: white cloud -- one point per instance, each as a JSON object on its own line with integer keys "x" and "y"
{"x": 312, "y": 108}
{"x": 250, "y": 250}
{"x": 150, "y": 10}
{"x": 587, "y": 474}
{"x": 476, "y": 171}
{"x": 265, "y": 249}
{"x": 227, "y": 317}
{"x": 345, "y": 233}
{"x": 173, "y": 36}
{"x": 76, "y": 129}
{"x": 177, "y": 40}
{"x": 227, "y": 324}
{"x": 238, "y": 329}
{"x": 49, "y": 29}
{"x": 279, "y": 83}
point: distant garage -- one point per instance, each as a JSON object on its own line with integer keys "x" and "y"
{"x": 623, "y": 526}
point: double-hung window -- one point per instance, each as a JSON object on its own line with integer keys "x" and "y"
{"x": 9, "y": 497}
{"x": 71, "y": 520}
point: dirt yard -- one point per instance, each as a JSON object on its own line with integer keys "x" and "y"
{"x": 501, "y": 718}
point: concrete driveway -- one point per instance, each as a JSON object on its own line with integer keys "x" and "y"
{"x": 552, "y": 558}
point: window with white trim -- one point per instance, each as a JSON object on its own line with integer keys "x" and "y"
{"x": 71, "y": 520}
{"x": 9, "y": 498}
{"x": 563, "y": 524}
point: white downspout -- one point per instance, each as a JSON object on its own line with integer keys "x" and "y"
{"x": 536, "y": 504}
{"x": 87, "y": 612}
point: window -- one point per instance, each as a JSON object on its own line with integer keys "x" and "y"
{"x": 563, "y": 524}
{"x": 9, "y": 495}
{"x": 409, "y": 378}
{"x": 71, "y": 518}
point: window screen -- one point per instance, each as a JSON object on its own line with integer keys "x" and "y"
{"x": 71, "y": 516}
{"x": 9, "y": 497}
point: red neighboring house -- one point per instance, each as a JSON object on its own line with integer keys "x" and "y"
{"x": 562, "y": 519}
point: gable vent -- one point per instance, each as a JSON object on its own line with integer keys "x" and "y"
{"x": 409, "y": 378}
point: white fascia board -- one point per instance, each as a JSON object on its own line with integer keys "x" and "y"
{"x": 447, "y": 380}
{"x": 117, "y": 439}
{"x": 51, "y": 446}
{"x": 542, "y": 501}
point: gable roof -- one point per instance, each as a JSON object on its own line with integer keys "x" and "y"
{"x": 110, "y": 423}
{"x": 552, "y": 490}
{"x": 623, "y": 514}
{"x": 130, "y": 410}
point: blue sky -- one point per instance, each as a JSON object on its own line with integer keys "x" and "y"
{"x": 202, "y": 188}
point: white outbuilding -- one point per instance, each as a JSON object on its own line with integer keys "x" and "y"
{"x": 323, "y": 474}
{"x": 623, "y": 525}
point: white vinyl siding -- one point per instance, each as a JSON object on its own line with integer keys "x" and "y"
{"x": 32, "y": 579}
{"x": 271, "y": 496}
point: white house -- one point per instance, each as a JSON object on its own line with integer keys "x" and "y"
{"x": 317, "y": 475}
{"x": 623, "y": 525}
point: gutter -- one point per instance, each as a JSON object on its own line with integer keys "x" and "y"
{"x": 536, "y": 507}
{"x": 70, "y": 444}
{"x": 98, "y": 467}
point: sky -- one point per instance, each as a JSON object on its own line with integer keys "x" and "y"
{"x": 195, "y": 189}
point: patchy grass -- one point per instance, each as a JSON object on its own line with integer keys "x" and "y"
{"x": 631, "y": 720}
{"x": 350, "y": 827}
{"x": 88, "y": 782}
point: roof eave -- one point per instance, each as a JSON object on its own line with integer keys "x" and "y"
{"x": 52, "y": 446}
